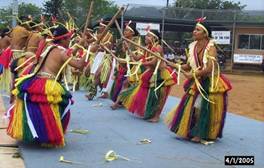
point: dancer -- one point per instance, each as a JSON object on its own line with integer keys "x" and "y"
{"x": 202, "y": 110}
{"x": 126, "y": 52}
{"x": 40, "y": 113}
{"x": 100, "y": 63}
{"x": 147, "y": 98}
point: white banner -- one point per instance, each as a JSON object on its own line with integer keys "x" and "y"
{"x": 222, "y": 37}
{"x": 141, "y": 27}
{"x": 248, "y": 59}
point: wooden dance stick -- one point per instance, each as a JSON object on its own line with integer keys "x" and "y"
{"x": 108, "y": 50}
{"x": 114, "y": 56}
{"x": 152, "y": 53}
{"x": 119, "y": 29}
{"x": 110, "y": 24}
{"x": 89, "y": 14}
{"x": 111, "y": 53}
{"x": 169, "y": 47}
{"x": 172, "y": 50}
{"x": 105, "y": 48}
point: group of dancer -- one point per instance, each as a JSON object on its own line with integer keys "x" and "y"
{"x": 42, "y": 63}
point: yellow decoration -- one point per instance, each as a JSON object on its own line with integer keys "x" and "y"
{"x": 24, "y": 63}
{"x": 127, "y": 64}
{"x": 200, "y": 88}
{"x": 63, "y": 66}
{"x": 66, "y": 81}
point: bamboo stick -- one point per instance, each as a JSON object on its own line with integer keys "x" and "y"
{"x": 152, "y": 53}
{"x": 110, "y": 24}
{"x": 89, "y": 14}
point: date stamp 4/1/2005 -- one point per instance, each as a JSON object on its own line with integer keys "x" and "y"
{"x": 239, "y": 160}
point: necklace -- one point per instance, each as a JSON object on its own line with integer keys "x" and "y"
{"x": 196, "y": 54}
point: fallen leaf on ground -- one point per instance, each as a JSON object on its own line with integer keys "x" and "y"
{"x": 79, "y": 131}
{"x": 207, "y": 142}
{"x": 98, "y": 105}
{"x": 68, "y": 161}
{"x": 145, "y": 141}
{"x": 111, "y": 156}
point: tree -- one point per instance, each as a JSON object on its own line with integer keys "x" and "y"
{"x": 5, "y": 17}
{"x": 209, "y": 4}
{"x": 78, "y": 9}
{"x": 25, "y": 9}
{"x": 53, "y": 7}
{"x": 213, "y": 9}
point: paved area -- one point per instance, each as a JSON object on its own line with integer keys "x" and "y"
{"x": 120, "y": 131}
{"x": 9, "y": 152}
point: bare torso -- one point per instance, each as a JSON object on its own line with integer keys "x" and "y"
{"x": 54, "y": 61}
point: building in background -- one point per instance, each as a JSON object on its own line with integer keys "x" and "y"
{"x": 239, "y": 33}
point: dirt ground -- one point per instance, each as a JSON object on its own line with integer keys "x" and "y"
{"x": 246, "y": 98}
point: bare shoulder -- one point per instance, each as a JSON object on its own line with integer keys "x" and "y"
{"x": 58, "y": 51}
{"x": 212, "y": 50}
{"x": 6, "y": 38}
{"x": 159, "y": 48}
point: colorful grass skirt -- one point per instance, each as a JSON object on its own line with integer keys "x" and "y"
{"x": 40, "y": 113}
{"x": 197, "y": 117}
{"x": 120, "y": 78}
{"x": 145, "y": 99}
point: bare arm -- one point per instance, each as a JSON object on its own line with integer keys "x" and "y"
{"x": 135, "y": 57}
{"x": 79, "y": 64}
{"x": 94, "y": 48}
{"x": 151, "y": 61}
{"x": 186, "y": 67}
{"x": 154, "y": 60}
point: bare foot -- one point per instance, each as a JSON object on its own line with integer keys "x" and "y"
{"x": 89, "y": 97}
{"x": 154, "y": 120}
{"x": 104, "y": 96}
{"x": 196, "y": 139}
{"x": 115, "y": 106}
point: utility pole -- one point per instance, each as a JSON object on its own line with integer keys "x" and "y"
{"x": 14, "y": 12}
{"x": 163, "y": 20}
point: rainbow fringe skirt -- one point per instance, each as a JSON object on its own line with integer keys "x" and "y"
{"x": 40, "y": 113}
